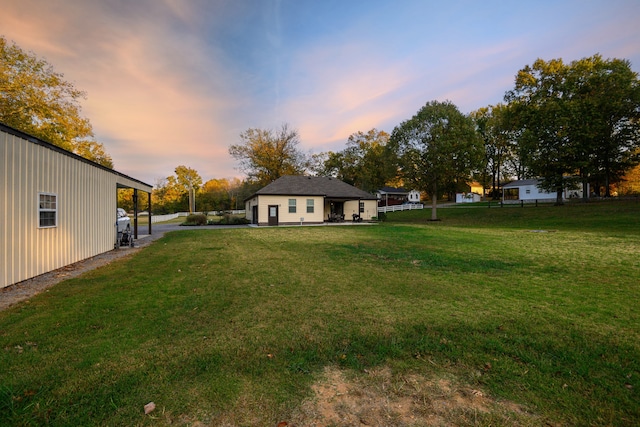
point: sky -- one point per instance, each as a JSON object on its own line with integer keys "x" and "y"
{"x": 175, "y": 82}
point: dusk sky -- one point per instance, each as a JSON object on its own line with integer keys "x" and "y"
{"x": 175, "y": 82}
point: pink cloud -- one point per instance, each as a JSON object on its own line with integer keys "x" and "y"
{"x": 146, "y": 99}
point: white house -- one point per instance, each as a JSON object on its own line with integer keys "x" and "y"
{"x": 527, "y": 190}
{"x": 295, "y": 199}
{"x": 57, "y": 208}
{"x": 468, "y": 197}
{"x": 389, "y": 196}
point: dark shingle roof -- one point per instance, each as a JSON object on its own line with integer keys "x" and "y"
{"x": 521, "y": 182}
{"x": 293, "y": 185}
{"x": 392, "y": 190}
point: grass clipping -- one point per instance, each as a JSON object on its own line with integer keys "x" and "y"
{"x": 380, "y": 399}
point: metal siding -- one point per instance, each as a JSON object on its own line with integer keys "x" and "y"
{"x": 86, "y": 197}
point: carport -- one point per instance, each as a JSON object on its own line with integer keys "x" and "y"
{"x": 123, "y": 182}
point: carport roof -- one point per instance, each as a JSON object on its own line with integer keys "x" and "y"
{"x": 298, "y": 185}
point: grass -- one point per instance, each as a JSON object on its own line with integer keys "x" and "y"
{"x": 233, "y": 327}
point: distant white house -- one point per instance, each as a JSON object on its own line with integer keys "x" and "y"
{"x": 476, "y": 191}
{"x": 468, "y": 197}
{"x": 389, "y": 196}
{"x": 527, "y": 190}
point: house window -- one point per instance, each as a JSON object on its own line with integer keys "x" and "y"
{"x": 528, "y": 191}
{"x": 292, "y": 205}
{"x": 309, "y": 205}
{"x": 361, "y": 207}
{"x": 47, "y": 210}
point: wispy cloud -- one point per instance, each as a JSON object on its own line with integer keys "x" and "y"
{"x": 153, "y": 92}
{"x": 171, "y": 82}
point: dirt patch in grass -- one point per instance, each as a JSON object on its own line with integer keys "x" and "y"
{"x": 380, "y": 399}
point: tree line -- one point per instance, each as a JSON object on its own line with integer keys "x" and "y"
{"x": 568, "y": 124}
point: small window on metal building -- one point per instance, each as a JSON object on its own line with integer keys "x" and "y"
{"x": 47, "y": 210}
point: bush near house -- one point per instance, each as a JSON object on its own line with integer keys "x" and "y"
{"x": 229, "y": 219}
{"x": 195, "y": 219}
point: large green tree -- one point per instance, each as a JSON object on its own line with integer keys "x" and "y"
{"x": 579, "y": 121}
{"x": 266, "y": 155}
{"x": 605, "y": 113}
{"x": 366, "y": 162}
{"x": 544, "y": 112}
{"x": 437, "y": 149}
{"x": 493, "y": 125}
{"x": 37, "y": 100}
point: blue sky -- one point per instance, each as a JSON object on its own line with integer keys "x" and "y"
{"x": 174, "y": 82}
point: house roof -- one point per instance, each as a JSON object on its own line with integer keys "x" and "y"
{"x": 392, "y": 190}
{"x": 521, "y": 182}
{"x": 298, "y": 185}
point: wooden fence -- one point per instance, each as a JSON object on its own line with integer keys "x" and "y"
{"x": 396, "y": 208}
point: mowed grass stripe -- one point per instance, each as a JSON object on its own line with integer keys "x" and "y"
{"x": 211, "y": 323}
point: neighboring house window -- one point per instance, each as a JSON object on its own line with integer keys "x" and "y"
{"x": 47, "y": 210}
{"x": 361, "y": 207}
{"x": 292, "y": 205}
{"x": 528, "y": 191}
{"x": 309, "y": 205}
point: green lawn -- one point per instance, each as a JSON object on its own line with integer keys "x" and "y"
{"x": 538, "y": 307}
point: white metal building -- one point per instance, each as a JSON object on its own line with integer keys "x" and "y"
{"x": 57, "y": 208}
{"x": 526, "y": 190}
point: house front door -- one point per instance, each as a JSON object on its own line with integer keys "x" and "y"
{"x": 273, "y": 214}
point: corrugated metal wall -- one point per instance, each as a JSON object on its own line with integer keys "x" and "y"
{"x": 86, "y": 197}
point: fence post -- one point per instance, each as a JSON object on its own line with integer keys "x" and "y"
{"x": 522, "y": 203}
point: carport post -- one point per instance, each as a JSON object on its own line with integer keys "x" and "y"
{"x": 135, "y": 213}
{"x": 149, "y": 211}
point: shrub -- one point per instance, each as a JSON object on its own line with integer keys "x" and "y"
{"x": 229, "y": 219}
{"x": 382, "y": 216}
{"x": 196, "y": 219}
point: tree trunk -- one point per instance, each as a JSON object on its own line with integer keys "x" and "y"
{"x": 585, "y": 186}
{"x": 434, "y": 203}
{"x": 559, "y": 200}
{"x": 498, "y": 178}
{"x": 585, "y": 190}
